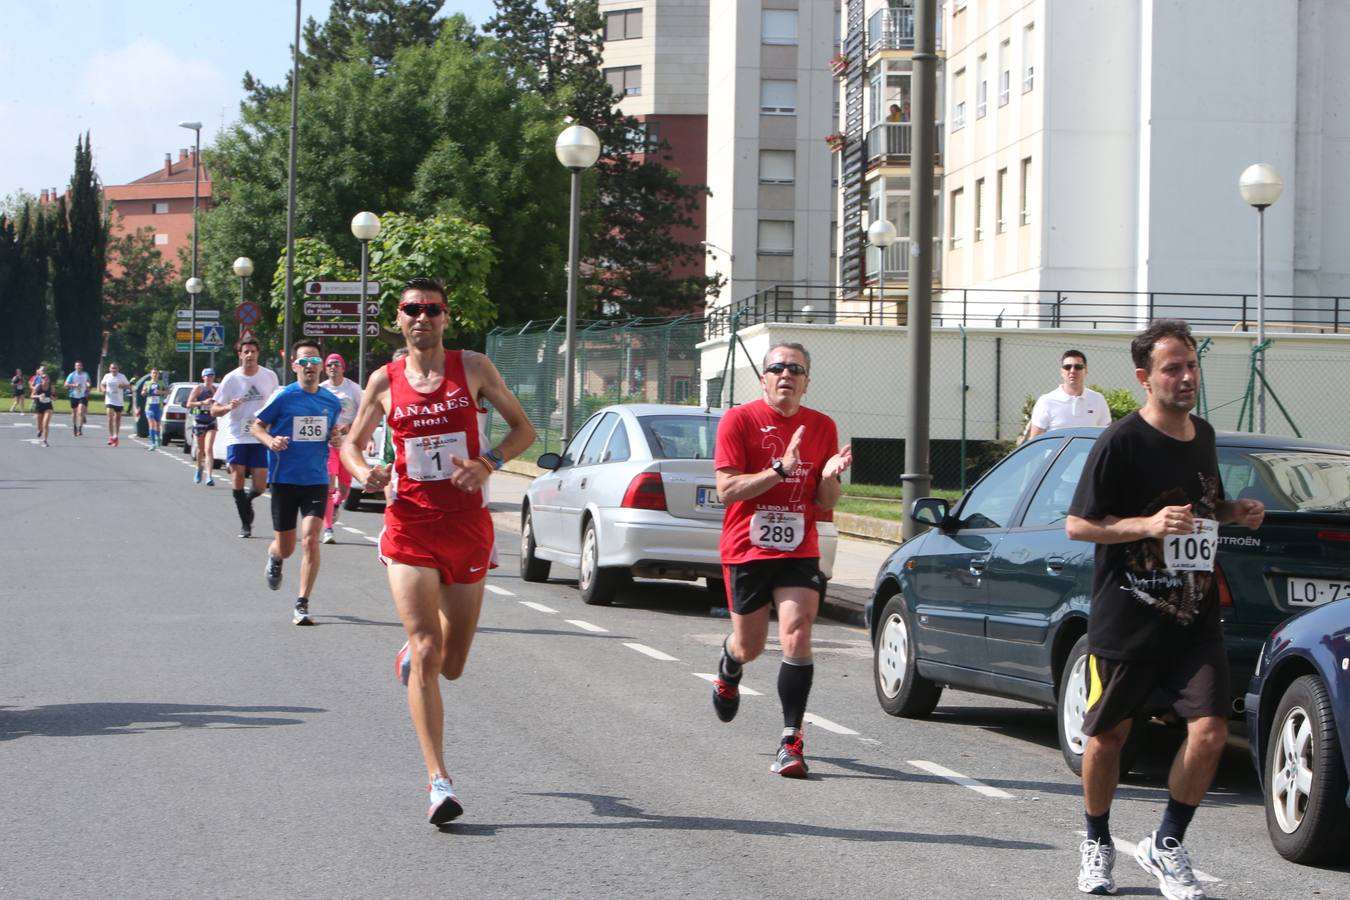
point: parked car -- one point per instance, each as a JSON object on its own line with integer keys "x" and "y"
{"x": 1298, "y": 728}
{"x": 994, "y": 597}
{"x": 174, "y": 421}
{"x": 633, "y": 494}
{"x": 357, "y": 494}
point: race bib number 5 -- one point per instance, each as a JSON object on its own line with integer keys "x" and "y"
{"x": 775, "y": 530}
{"x": 428, "y": 457}
{"x": 1193, "y": 552}
{"x": 310, "y": 428}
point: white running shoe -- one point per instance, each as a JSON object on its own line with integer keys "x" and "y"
{"x": 1094, "y": 870}
{"x": 301, "y": 614}
{"x": 327, "y": 536}
{"x": 1171, "y": 866}
{"x": 444, "y": 804}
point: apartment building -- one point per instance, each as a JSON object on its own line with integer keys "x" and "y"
{"x": 161, "y": 200}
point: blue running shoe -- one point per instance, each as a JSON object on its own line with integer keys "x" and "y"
{"x": 403, "y": 664}
{"x": 444, "y": 804}
{"x": 197, "y": 477}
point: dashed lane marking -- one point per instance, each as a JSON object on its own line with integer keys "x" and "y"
{"x": 500, "y": 592}
{"x": 965, "y": 781}
{"x": 749, "y": 692}
{"x": 825, "y": 723}
{"x": 587, "y": 626}
{"x": 651, "y": 651}
{"x": 353, "y": 530}
{"x": 373, "y": 540}
{"x": 538, "y": 606}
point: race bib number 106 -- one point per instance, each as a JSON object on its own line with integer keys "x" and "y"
{"x": 1193, "y": 552}
{"x": 428, "y": 457}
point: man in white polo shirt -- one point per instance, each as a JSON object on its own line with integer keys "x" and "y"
{"x": 1071, "y": 403}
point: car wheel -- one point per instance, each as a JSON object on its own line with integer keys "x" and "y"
{"x": 353, "y": 501}
{"x": 598, "y": 586}
{"x": 1305, "y": 779}
{"x": 187, "y": 445}
{"x": 1072, "y": 708}
{"x": 532, "y": 568}
{"x": 901, "y": 690}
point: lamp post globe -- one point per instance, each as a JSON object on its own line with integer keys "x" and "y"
{"x": 1260, "y": 186}
{"x": 881, "y": 234}
{"x": 194, "y": 286}
{"x": 243, "y": 267}
{"x": 365, "y": 228}
{"x": 577, "y": 149}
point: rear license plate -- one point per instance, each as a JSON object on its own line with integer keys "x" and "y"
{"x": 1315, "y": 591}
{"x": 708, "y": 499}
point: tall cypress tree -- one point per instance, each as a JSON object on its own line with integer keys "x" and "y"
{"x": 26, "y": 304}
{"x": 78, "y": 259}
{"x": 9, "y": 269}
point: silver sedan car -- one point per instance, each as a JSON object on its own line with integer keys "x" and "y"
{"x": 633, "y": 494}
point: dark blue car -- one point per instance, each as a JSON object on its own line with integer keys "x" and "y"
{"x": 1298, "y": 724}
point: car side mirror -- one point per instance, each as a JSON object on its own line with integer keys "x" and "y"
{"x": 550, "y": 461}
{"x": 930, "y": 511}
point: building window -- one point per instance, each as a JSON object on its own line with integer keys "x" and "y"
{"x": 1004, "y": 72}
{"x": 954, "y": 219}
{"x": 778, "y": 97}
{"x": 775, "y": 238}
{"x": 1026, "y": 191}
{"x": 981, "y": 86}
{"x": 161, "y": 240}
{"x": 979, "y": 209}
{"x": 1028, "y": 58}
{"x": 626, "y": 81}
{"x": 623, "y": 25}
{"x": 959, "y": 100}
{"x": 1001, "y": 202}
{"x": 777, "y": 166}
{"x": 778, "y": 26}
{"x": 161, "y": 208}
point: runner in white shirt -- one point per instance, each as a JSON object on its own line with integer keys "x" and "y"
{"x": 1071, "y": 403}
{"x": 77, "y": 389}
{"x": 339, "y": 479}
{"x": 237, "y": 400}
{"x": 115, "y": 387}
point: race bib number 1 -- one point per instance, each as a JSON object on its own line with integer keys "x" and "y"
{"x": 428, "y": 458}
{"x": 1193, "y": 552}
{"x": 310, "y": 428}
{"x": 775, "y": 530}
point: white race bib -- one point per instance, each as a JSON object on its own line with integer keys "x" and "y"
{"x": 309, "y": 428}
{"x": 428, "y": 458}
{"x": 1193, "y": 552}
{"x": 775, "y": 530}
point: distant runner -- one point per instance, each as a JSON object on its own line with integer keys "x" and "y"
{"x": 151, "y": 395}
{"x": 20, "y": 386}
{"x": 41, "y": 385}
{"x": 115, "y": 387}
{"x": 204, "y": 426}
{"x": 240, "y": 395}
{"x": 340, "y": 480}
{"x": 77, "y": 389}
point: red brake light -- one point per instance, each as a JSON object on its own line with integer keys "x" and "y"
{"x": 1225, "y": 595}
{"x": 646, "y": 491}
{"x": 1333, "y": 535}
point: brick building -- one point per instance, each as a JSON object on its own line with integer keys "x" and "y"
{"x": 161, "y": 200}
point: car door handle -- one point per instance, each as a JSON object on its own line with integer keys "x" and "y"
{"x": 582, "y": 485}
{"x": 977, "y": 567}
{"x": 1054, "y": 565}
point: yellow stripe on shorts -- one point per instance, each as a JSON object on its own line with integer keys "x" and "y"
{"x": 1094, "y": 682}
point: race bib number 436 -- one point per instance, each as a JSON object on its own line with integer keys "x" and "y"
{"x": 428, "y": 457}
{"x": 310, "y": 428}
{"x": 775, "y": 530}
{"x": 1193, "y": 552}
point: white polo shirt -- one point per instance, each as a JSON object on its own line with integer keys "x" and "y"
{"x": 1058, "y": 409}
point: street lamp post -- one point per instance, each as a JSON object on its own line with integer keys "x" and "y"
{"x": 196, "y": 129}
{"x": 243, "y": 267}
{"x": 577, "y": 148}
{"x": 881, "y": 234}
{"x": 194, "y": 287}
{"x": 366, "y": 227}
{"x": 1260, "y": 186}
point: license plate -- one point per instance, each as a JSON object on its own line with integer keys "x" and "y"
{"x": 708, "y": 499}
{"x": 1315, "y": 591}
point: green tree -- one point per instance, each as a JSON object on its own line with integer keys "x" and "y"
{"x": 139, "y": 302}
{"x": 79, "y": 250}
{"x": 26, "y": 303}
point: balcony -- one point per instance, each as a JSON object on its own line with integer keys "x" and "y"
{"x": 892, "y": 143}
{"x": 893, "y": 29}
{"x": 897, "y": 261}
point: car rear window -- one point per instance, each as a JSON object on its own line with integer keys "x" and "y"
{"x": 1293, "y": 480}
{"x": 180, "y": 396}
{"x": 681, "y": 437}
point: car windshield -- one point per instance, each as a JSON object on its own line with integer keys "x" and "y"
{"x": 681, "y": 437}
{"x": 1287, "y": 480}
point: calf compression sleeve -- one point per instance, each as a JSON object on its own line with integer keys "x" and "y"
{"x": 794, "y": 687}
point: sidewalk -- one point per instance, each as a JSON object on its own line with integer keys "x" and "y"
{"x": 855, "y": 564}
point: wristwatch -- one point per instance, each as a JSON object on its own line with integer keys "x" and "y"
{"x": 496, "y": 456}
{"x": 777, "y": 466}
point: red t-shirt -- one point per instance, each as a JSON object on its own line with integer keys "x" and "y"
{"x": 781, "y": 522}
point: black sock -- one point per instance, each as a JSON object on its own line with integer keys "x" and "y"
{"x": 244, "y": 507}
{"x": 1176, "y": 818}
{"x": 728, "y": 667}
{"x": 794, "y": 687}
{"x": 1099, "y": 828}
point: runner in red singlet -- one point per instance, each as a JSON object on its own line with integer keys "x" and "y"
{"x": 437, "y": 542}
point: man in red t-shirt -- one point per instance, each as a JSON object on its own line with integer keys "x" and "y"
{"x": 777, "y": 469}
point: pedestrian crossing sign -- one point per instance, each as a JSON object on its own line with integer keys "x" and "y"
{"x": 213, "y": 334}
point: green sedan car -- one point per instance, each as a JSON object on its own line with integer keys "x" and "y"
{"x": 994, "y": 598}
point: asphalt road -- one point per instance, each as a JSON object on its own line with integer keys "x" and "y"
{"x": 166, "y": 732}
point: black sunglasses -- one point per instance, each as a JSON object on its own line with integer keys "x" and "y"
{"x": 1077, "y": 367}
{"x": 779, "y": 368}
{"x": 413, "y": 310}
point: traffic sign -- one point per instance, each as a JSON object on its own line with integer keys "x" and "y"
{"x": 247, "y": 313}
{"x": 201, "y": 314}
{"x": 184, "y": 347}
{"x": 340, "y": 329}
{"x": 213, "y": 335}
{"x": 184, "y": 332}
{"x": 341, "y": 308}
{"x": 340, "y": 287}
{"x": 246, "y": 334}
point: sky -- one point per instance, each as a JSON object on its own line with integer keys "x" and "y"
{"x": 127, "y": 71}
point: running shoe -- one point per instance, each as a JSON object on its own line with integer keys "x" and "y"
{"x": 726, "y": 698}
{"x": 328, "y": 536}
{"x": 44, "y": 442}
{"x": 197, "y": 477}
{"x": 272, "y": 572}
{"x": 403, "y": 664}
{"x": 301, "y": 614}
{"x": 444, "y": 804}
{"x": 245, "y": 531}
{"x": 1171, "y": 865}
{"x": 210, "y": 481}
{"x": 1094, "y": 868}
{"x": 110, "y": 441}
{"x": 791, "y": 763}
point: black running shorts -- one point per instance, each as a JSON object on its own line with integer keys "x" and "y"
{"x": 750, "y": 584}
{"x": 1192, "y": 682}
{"x": 292, "y": 500}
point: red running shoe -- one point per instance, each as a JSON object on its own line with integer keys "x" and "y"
{"x": 790, "y": 762}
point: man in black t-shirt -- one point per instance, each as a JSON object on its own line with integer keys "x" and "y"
{"x": 1151, "y": 499}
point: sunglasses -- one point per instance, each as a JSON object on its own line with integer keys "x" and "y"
{"x": 779, "y": 368}
{"x": 309, "y": 360}
{"x": 1077, "y": 367}
{"x": 333, "y": 363}
{"x": 413, "y": 310}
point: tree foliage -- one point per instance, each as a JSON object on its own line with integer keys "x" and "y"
{"x": 78, "y": 253}
{"x": 139, "y": 304}
{"x": 23, "y": 291}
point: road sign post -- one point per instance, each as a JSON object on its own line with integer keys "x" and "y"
{"x": 317, "y": 288}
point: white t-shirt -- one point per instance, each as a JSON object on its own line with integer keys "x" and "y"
{"x": 253, "y": 390}
{"x": 114, "y": 386}
{"x": 349, "y": 394}
{"x": 1058, "y": 409}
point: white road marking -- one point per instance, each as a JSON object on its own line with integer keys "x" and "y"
{"x": 587, "y": 626}
{"x": 352, "y": 530}
{"x": 651, "y": 651}
{"x": 749, "y": 692}
{"x": 539, "y": 606}
{"x": 814, "y": 719}
{"x": 499, "y": 591}
{"x": 373, "y": 540}
{"x": 1127, "y": 848}
{"x": 965, "y": 781}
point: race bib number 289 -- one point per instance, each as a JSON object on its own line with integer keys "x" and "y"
{"x": 428, "y": 457}
{"x": 774, "y": 530}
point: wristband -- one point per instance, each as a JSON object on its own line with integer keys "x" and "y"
{"x": 487, "y": 464}
{"x": 495, "y": 457}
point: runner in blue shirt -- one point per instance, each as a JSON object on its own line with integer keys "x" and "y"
{"x": 296, "y": 427}
{"x": 152, "y": 401}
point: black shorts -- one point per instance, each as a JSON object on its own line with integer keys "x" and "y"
{"x": 200, "y": 430}
{"x": 288, "y": 500}
{"x": 78, "y": 401}
{"x": 112, "y": 407}
{"x": 750, "y": 584}
{"x": 42, "y": 405}
{"x": 1192, "y": 683}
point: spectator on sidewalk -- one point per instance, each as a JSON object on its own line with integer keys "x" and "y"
{"x": 1071, "y": 403}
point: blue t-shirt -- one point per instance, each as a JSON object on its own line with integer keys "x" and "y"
{"x": 307, "y": 420}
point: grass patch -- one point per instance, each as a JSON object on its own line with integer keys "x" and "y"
{"x": 61, "y": 406}
{"x": 878, "y": 508}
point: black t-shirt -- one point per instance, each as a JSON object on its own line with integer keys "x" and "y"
{"x": 1140, "y": 608}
